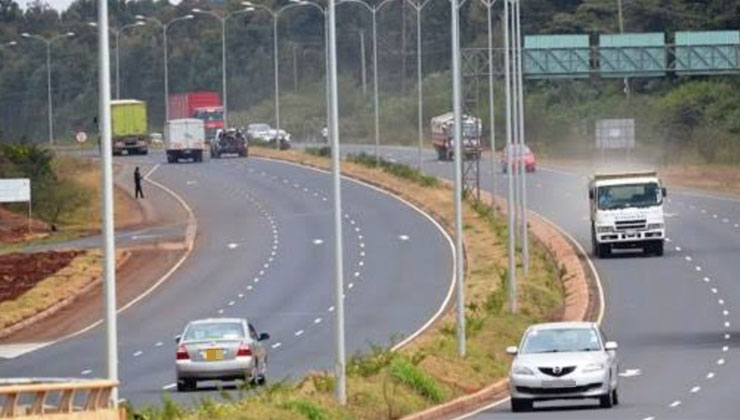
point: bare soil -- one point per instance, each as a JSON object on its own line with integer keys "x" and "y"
{"x": 20, "y": 272}
{"x": 14, "y": 227}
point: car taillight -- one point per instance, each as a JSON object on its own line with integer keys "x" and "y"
{"x": 182, "y": 353}
{"x": 244, "y": 350}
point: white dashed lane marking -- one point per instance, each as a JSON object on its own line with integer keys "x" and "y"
{"x": 403, "y": 237}
{"x": 233, "y": 245}
{"x": 299, "y": 333}
{"x": 158, "y": 344}
{"x": 695, "y": 389}
{"x": 276, "y": 345}
{"x": 317, "y": 321}
{"x": 86, "y": 372}
{"x": 138, "y": 353}
{"x": 675, "y": 404}
{"x": 710, "y": 375}
{"x": 318, "y": 241}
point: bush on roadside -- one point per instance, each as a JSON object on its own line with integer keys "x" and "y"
{"x": 398, "y": 169}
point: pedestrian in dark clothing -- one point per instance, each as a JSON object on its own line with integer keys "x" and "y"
{"x": 137, "y": 182}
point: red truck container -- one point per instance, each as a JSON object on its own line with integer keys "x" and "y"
{"x": 202, "y": 105}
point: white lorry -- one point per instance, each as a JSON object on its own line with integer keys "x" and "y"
{"x": 185, "y": 139}
{"x": 627, "y": 212}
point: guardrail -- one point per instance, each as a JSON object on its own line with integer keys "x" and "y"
{"x": 31, "y": 400}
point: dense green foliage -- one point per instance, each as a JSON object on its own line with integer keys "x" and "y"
{"x": 53, "y": 197}
{"x": 675, "y": 111}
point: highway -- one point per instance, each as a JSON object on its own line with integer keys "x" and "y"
{"x": 264, "y": 250}
{"x": 674, "y": 317}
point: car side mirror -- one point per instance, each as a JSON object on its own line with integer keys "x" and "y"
{"x": 264, "y": 337}
{"x": 512, "y": 350}
{"x": 177, "y": 339}
{"x": 611, "y": 345}
{"x": 665, "y": 192}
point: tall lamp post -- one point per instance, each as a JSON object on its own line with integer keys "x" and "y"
{"x": 48, "y": 43}
{"x": 275, "y": 14}
{"x": 117, "y": 34}
{"x": 491, "y": 105}
{"x": 165, "y": 27}
{"x": 520, "y": 131}
{"x": 223, "y": 20}
{"x": 419, "y": 6}
{"x": 374, "y": 12}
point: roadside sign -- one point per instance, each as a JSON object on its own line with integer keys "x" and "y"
{"x": 17, "y": 190}
{"x": 81, "y": 137}
{"x": 615, "y": 134}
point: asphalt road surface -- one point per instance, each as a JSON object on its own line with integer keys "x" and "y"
{"x": 674, "y": 317}
{"x": 265, "y": 251}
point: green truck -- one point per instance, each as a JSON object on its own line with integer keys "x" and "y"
{"x": 129, "y": 121}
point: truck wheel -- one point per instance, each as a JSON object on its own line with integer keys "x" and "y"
{"x": 170, "y": 158}
{"x": 604, "y": 250}
{"x": 658, "y": 248}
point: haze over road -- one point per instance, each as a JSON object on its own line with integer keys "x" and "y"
{"x": 674, "y": 317}
{"x": 265, "y": 251}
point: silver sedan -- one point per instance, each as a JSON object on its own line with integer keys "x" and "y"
{"x": 564, "y": 360}
{"x": 225, "y": 349}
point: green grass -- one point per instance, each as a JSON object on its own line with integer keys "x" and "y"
{"x": 405, "y": 372}
{"x": 398, "y": 169}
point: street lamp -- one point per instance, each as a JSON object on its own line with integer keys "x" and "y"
{"x": 419, "y": 6}
{"x": 164, "y": 27}
{"x": 223, "y": 47}
{"x": 374, "y": 12}
{"x": 491, "y": 105}
{"x": 275, "y": 15}
{"x": 117, "y": 34}
{"x": 520, "y": 132}
{"x": 511, "y": 272}
{"x": 48, "y": 43}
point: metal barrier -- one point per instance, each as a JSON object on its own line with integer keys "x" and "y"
{"x": 29, "y": 400}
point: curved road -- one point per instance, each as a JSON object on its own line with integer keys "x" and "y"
{"x": 674, "y": 317}
{"x": 265, "y": 251}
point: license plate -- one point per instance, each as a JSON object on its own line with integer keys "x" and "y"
{"x": 214, "y": 354}
{"x": 562, "y": 383}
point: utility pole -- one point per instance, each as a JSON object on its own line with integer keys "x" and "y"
{"x": 457, "y": 112}
{"x": 491, "y": 103}
{"x": 109, "y": 244}
{"x": 295, "y": 70}
{"x": 620, "y": 13}
{"x": 362, "y": 63}
{"x": 522, "y": 143}
{"x": 511, "y": 271}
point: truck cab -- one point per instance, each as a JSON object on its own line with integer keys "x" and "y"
{"x": 443, "y": 136}
{"x": 213, "y": 118}
{"x": 627, "y": 212}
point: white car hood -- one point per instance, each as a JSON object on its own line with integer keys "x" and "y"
{"x": 560, "y": 359}
{"x": 609, "y": 217}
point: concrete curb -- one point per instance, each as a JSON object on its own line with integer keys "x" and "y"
{"x": 58, "y": 306}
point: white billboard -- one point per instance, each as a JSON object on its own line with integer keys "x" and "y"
{"x": 16, "y": 190}
{"x": 615, "y": 134}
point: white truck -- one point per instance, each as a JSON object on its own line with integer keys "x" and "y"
{"x": 627, "y": 212}
{"x": 185, "y": 139}
{"x": 443, "y": 136}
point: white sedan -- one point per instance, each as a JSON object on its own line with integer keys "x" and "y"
{"x": 563, "y": 361}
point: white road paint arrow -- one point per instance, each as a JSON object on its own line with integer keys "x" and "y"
{"x": 630, "y": 372}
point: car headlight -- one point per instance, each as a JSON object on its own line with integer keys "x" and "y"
{"x": 655, "y": 226}
{"x": 593, "y": 367}
{"x": 604, "y": 229}
{"x": 522, "y": 370}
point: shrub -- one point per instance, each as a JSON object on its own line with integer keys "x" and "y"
{"x": 307, "y": 409}
{"x": 397, "y": 169}
{"x": 405, "y": 372}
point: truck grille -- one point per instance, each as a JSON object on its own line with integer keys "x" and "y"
{"x": 631, "y": 224}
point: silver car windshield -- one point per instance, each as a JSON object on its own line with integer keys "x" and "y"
{"x": 561, "y": 340}
{"x": 215, "y": 331}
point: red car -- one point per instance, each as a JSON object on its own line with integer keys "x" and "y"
{"x": 518, "y": 155}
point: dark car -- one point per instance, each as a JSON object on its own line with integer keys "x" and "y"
{"x": 230, "y": 141}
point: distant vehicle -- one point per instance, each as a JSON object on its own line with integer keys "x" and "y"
{"x": 627, "y": 212}
{"x": 325, "y": 134}
{"x": 518, "y": 155}
{"x": 563, "y": 361}
{"x": 230, "y": 141}
{"x": 185, "y": 139}
{"x": 224, "y": 349}
{"x": 155, "y": 138}
{"x": 282, "y": 137}
{"x": 129, "y": 127}
{"x": 443, "y": 136}
{"x": 258, "y": 132}
{"x": 204, "y": 106}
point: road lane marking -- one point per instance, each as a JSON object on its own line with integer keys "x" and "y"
{"x": 695, "y": 389}
{"x": 698, "y": 268}
{"x": 689, "y": 259}
{"x": 249, "y": 287}
{"x": 720, "y": 362}
{"x": 138, "y": 353}
{"x": 727, "y": 336}
{"x": 710, "y": 375}
{"x": 675, "y": 404}
{"x": 158, "y": 344}
{"x": 331, "y": 309}
{"x": 630, "y": 372}
{"x": 86, "y": 372}
{"x": 361, "y": 263}
{"x": 169, "y": 386}
{"x": 351, "y": 285}
{"x": 721, "y": 301}
{"x": 318, "y": 241}
{"x": 725, "y": 348}
{"x": 714, "y": 290}
{"x": 725, "y": 312}
{"x": 727, "y": 324}
{"x": 403, "y": 237}
{"x": 233, "y": 245}
{"x": 299, "y": 333}
{"x": 241, "y": 295}
{"x": 220, "y": 311}
{"x": 231, "y": 303}
{"x": 678, "y": 249}
{"x": 276, "y": 345}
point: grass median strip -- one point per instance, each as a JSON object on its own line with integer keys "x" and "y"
{"x": 383, "y": 384}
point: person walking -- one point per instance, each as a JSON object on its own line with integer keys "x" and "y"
{"x": 137, "y": 183}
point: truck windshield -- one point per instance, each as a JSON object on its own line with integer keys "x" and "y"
{"x": 629, "y": 195}
{"x": 209, "y": 115}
